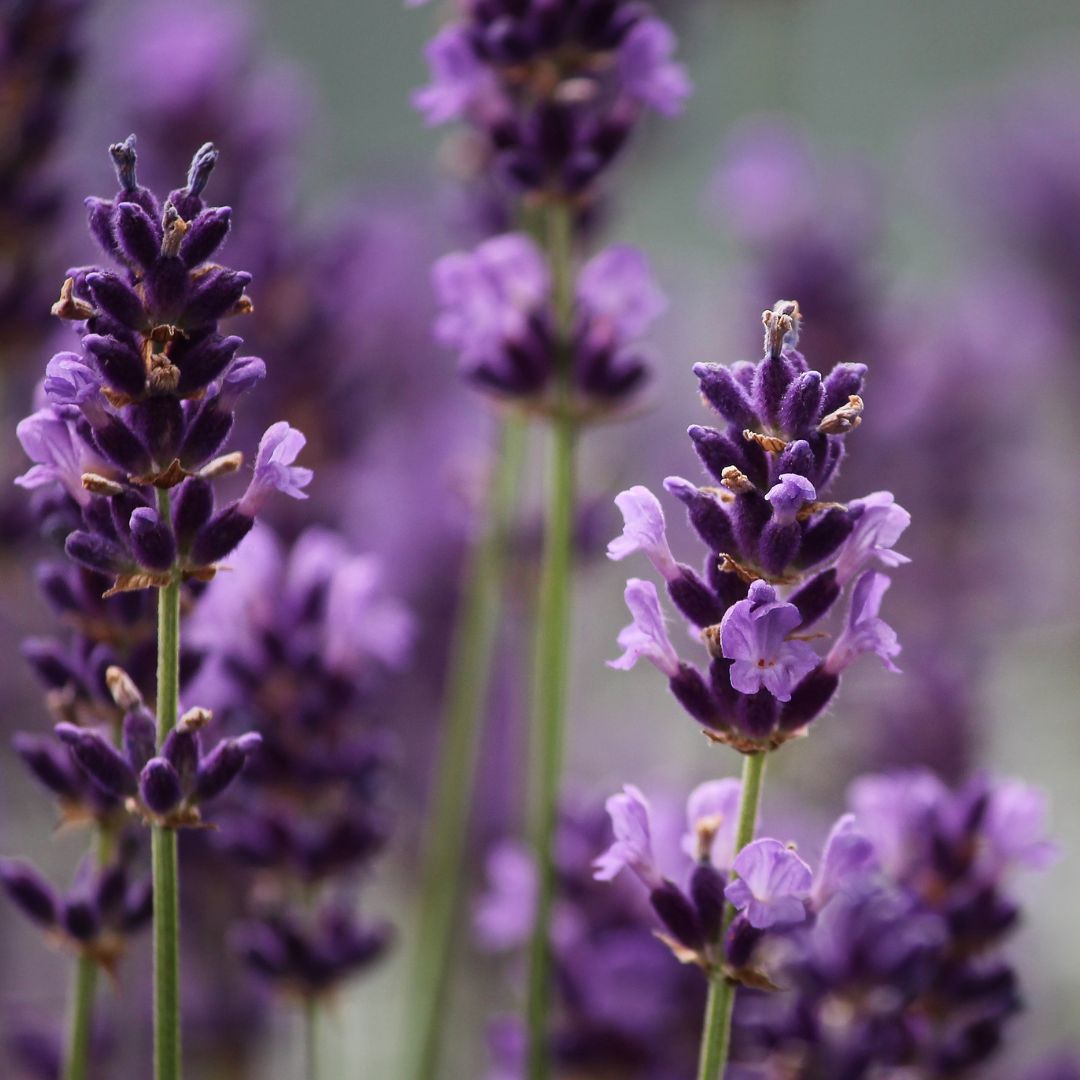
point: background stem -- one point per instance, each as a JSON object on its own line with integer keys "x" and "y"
{"x": 311, "y": 1038}
{"x": 552, "y": 656}
{"x": 163, "y": 843}
{"x": 443, "y": 869}
{"x": 716, "y": 1032}
{"x": 81, "y": 1021}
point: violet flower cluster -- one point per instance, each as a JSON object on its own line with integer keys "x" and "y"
{"x": 301, "y": 641}
{"x": 770, "y": 532}
{"x": 889, "y": 955}
{"x": 553, "y": 90}
{"x": 496, "y": 311}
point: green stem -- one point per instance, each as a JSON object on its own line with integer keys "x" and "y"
{"x": 716, "y": 1032}
{"x": 311, "y": 1038}
{"x": 552, "y": 656}
{"x": 443, "y": 870}
{"x": 78, "y": 1049}
{"x": 163, "y": 843}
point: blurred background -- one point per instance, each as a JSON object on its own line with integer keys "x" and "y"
{"x": 909, "y": 172}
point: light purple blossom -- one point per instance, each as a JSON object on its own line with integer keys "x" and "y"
{"x": 893, "y": 811}
{"x": 646, "y": 637}
{"x": 877, "y": 530}
{"x": 753, "y": 633}
{"x": 772, "y": 884}
{"x": 847, "y": 859}
{"x": 632, "y": 849}
{"x": 503, "y": 917}
{"x": 59, "y": 455}
{"x": 789, "y": 496}
{"x": 712, "y": 819}
{"x": 274, "y": 469}
{"x": 459, "y": 79}
{"x": 487, "y": 295}
{"x": 617, "y": 290}
{"x": 644, "y": 530}
{"x": 646, "y": 70}
{"x": 70, "y": 380}
{"x": 364, "y": 623}
{"x": 1015, "y": 829}
{"x": 865, "y": 631}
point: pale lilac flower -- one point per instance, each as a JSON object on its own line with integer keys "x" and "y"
{"x": 503, "y": 917}
{"x": 459, "y": 79}
{"x": 644, "y": 531}
{"x": 646, "y": 637}
{"x": 487, "y": 295}
{"x": 364, "y": 623}
{"x": 648, "y": 73}
{"x": 632, "y": 849}
{"x": 60, "y": 456}
{"x": 1015, "y": 828}
{"x": 789, "y": 496}
{"x": 865, "y": 631}
{"x": 274, "y": 469}
{"x": 848, "y": 858}
{"x": 617, "y": 289}
{"x": 753, "y": 633}
{"x": 772, "y": 886}
{"x": 893, "y": 810}
{"x": 712, "y": 819}
{"x": 878, "y": 528}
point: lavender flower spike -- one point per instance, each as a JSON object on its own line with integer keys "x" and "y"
{"x": 646, "y": 637}
{"x": 644, "y": 531}
{"x": 753, "y": 633}
{"x": 864, "y": 630}
{"x": 632, "y": 849}
{"x": 772, "y": 884}
{"x": 274, "y": 469}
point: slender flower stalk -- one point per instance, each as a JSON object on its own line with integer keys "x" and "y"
{"x": 716, "y": 1031}
{"x": 81, "y": 1023}
{"x": 164, "y": 860}
{"x": 474, "y": 640}
{"x": 552, "y": 649}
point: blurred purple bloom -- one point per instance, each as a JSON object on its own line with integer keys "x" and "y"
{"x": 1015, "y": 828}
{"x": 646, "y": 69}
{"x": 877, "y": 529}
{"x": 503, "y": 916}
{"x": 753, "y": 633}
{"x": 617, "y": 291}
{"x": 646, "y": 637}
{"x": 864, "y": 631}
{"x": 893, "y": 810}
{"x": 632, "y": 849}
{"x": 458, "y": 77}
{"x": 643, "y": 530}
{"x": 772, "y": 884}
{"x": 847, "y": 859}
{"x": 712, "y": 818}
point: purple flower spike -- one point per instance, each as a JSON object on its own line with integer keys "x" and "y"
{"x": 712, "y": 818}
{"x": 848, "y": 859}
{"x": 865, "y": 631}
{"x": 274, "y": 468}
{"x": 632, "y": 849}
{"x": 880, "y": 524}
{"x": 753, "y": 633}
{"x": 644, "y": 531}
{"x": 29, "y": 891}
{"x": 789, "y": 496}
{"x": 646, "y": 637}
{"x": 101, "y": 761}
{"x": 772, "y": 884}
{"x": 649, "y": 74}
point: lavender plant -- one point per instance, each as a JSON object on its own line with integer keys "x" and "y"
{"x": 301, "y": 642}
{"x": 770, "y": 534}
{"x": 888, "y": 957}
{"x": 141, "y": 413}
{"x": 552, "y": 93}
